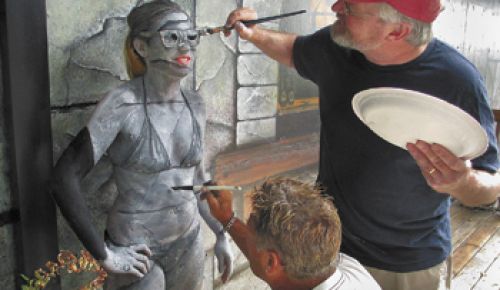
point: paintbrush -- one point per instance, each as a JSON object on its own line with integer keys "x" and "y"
{"x": 212, "y": 30}
{"x": 206, "y": 187}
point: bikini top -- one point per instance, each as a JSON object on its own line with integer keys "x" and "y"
{"x": 147, "y": 153}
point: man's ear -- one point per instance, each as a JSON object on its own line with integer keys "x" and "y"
{"x": 274, "y": 264}
{"x": 400, "y": 31}
{"x": 139, "y": 47}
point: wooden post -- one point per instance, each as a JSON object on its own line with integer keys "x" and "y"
{"x": 27, "y": 108}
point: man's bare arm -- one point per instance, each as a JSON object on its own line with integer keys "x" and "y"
{"x": 221, "y": 208}
{"x": 446, "y": 173}
{"x": 478, "y": 188}
{"x": 277, "y": 45}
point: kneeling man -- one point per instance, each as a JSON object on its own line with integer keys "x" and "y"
{"x": 292, "y": 238}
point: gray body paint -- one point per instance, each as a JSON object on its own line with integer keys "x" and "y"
{"x": 152, "y": 133}
{"x": 154, "y": 146}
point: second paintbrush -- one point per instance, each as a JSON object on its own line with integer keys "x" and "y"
{"x": 206, "y": 187}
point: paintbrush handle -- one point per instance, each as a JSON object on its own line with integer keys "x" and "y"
{"x": 270, "y": 18}
{"x": 250, "y": 22}
{"x": 207, "y": 187}
{"x": 217, "y": 187}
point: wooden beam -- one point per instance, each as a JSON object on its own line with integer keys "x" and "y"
{"x": 27, "y": 101}
{"x": 299, "y": 105}
{"x": 246, "y": 166}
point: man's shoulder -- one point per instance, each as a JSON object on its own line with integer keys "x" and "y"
{"x": 318, "y": 38}
{"x": 456, "y": 63}
{"x": 316, "y": 53}
{"x": 349, "y": 275}
{"x": 354, "y": 274}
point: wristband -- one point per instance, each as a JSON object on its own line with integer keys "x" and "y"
{"x": 229, "y": 223}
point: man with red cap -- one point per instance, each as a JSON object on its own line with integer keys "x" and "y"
{"x": 394, "y": 206}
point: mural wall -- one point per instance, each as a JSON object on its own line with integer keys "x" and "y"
{"x": 250, "y": 99}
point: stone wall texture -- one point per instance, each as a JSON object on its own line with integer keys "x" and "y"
{"x": 239, "y": 85}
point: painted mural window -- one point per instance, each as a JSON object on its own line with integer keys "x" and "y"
{"x": 298, "y": 98}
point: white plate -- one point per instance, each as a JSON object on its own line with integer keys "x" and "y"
{"x": 401, "y": 116}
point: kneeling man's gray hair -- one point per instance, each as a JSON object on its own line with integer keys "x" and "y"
{"x": 303, "y": 226}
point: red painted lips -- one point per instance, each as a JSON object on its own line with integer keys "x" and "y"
{"x": 183, "y": 60}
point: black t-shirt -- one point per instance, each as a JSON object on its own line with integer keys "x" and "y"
{"x": 391, "y": 218}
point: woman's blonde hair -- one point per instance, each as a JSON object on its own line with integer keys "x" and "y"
{"x": 134, "y": 63}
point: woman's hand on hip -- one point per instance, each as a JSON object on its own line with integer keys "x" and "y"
{"x": 132, "y": 260}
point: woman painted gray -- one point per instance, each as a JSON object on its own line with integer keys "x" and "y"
{"x": 152, "y": 131}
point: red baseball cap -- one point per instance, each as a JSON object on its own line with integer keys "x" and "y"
{"x": 423, "y": 10}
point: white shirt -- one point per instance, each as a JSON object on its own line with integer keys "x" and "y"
{"x": 350, "y": 275}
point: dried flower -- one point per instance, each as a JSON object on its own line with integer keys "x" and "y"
{"x": 73, "y": 264}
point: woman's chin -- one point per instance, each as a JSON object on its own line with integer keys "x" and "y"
{"x": 180, "y": 71}
{"x": 173, "y": 68}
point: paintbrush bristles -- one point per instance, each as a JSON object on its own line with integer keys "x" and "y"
{"x": 216, "y": 29}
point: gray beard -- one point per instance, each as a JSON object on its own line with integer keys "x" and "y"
{"x": 344, "y": 39}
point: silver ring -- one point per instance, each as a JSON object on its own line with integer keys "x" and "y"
{"x": 432, "y": 171}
